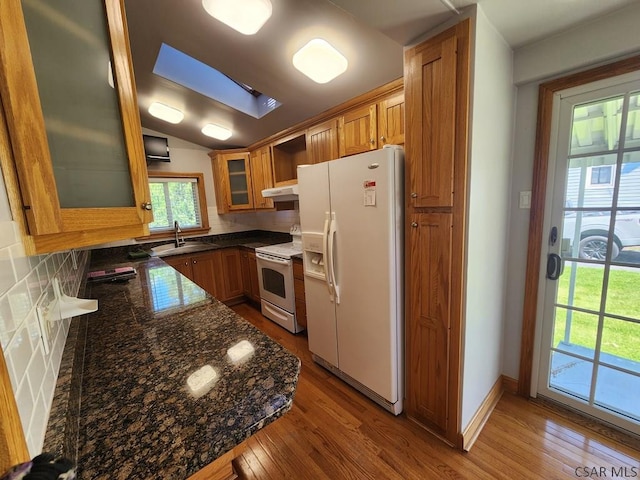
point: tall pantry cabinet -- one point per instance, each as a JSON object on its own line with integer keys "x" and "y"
{"x": 437, "y": 114}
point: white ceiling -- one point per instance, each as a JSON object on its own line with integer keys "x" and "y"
{"x": 370, "y": 33}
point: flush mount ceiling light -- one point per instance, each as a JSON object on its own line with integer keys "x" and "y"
{"x": 165, "y": 112}
{"x": 245, "y": 16}
{"x": 216, "y": 131}
{"x": 319, "y": 61}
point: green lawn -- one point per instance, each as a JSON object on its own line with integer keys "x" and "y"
{"x": 619, "y": 337}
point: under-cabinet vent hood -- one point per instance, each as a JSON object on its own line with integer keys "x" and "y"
{"x": 281, "y": 194}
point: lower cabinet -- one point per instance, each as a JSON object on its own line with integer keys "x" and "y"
{"x": 230, "y": 276}
{"x": 218, "y": 272}
{"x": 298, "y": 288}
{"x": 250, "y": 282}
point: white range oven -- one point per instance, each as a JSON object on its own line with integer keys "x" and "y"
{"x": 275, "y": 274}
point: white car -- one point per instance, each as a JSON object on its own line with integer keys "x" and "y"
{"x": 594, "y": 233}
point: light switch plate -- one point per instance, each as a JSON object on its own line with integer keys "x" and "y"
{"x": 525, "y": 199}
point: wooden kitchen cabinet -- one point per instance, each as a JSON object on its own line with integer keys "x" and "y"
{"x": 391, "y": 120}
{"x": 431, "y": 91}
{"x": 428, "y": 329}
{"x": 72, "y": 153}
{"x": 229, "y": 276}
{"x": 232, "y": 177}
{"x": 322, "y": 142}
{"x": 216, "y": 271}
{"x": 262, "y": 177}
{"x": 437, "y": 102}
{"x": 199, "y": 268}
{"x": 287, "y": 154}
{"x": 358, "y": 130}
{"x": 250, "y": 282}
{"x": 298, "y": 289}
{"x": 372, "y": 126}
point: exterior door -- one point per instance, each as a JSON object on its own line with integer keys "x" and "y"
{"x": 589, "y": 355}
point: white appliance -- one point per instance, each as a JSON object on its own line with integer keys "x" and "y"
{"x": 275, "y": 275}
{"x": 352, "y": 237}
{"x": 281, "y": 194}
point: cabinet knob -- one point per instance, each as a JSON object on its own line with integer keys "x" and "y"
{"x": 373, "y": 141}
{"x": 414, "y": 195}
{"x": 195, "y": 261}
{"x": 382, "y": 139}
{"x": 414, "y": 224}
{"x": 146, "y": 206}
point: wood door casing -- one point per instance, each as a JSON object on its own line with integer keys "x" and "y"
{"x": 428, "y": 318}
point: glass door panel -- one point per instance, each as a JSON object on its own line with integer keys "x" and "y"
{"x": 70, "y": 50}
{"x": 590, "y": 356}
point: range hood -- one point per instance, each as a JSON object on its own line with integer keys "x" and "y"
{"x": 281, "y": 194}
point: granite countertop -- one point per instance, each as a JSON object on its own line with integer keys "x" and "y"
{"x": 161, "y": 395}
{"x": 252, "y": 239}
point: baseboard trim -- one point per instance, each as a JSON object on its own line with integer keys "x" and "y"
{"x": 470, "y": 434}
{"x": 510, "y": 385}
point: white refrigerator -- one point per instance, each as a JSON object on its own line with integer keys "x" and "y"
{"x": 351, "y": 217}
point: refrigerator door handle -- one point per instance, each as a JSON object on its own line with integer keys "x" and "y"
{"x": 325, "y": 239}
{"x": 332, "y": 255}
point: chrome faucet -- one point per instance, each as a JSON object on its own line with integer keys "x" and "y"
{"x": 179, "y": 241}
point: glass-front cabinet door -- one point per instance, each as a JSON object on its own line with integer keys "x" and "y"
{"x": 69, "y": 101}
{"x": 238, "y": 180}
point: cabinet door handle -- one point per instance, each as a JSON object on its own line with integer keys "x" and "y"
{"x": 414, "y": 195}
{"x": 414, "y": 224}
{"x": 146, "y": 206}
{"x": 382, "y": 139}
{"x": 373, "y": 141}
{"x": 195, "y": 261}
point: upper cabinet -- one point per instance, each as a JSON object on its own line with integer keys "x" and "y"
{"x": 358, "y": 130}
{"x": 322, "y": 142}
{"x": 391, "y": 121}
{"x": 232, "y": 177}
{"x": 288, "y": 153}
{"x": 76, "y": 174}
{"x": 372, "y": 126}
{"x": 262, "y": 177}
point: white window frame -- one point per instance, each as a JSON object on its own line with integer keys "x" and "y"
{"x": 612, "y": 178}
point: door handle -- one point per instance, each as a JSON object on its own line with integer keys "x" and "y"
{"x": 555, "y": 266}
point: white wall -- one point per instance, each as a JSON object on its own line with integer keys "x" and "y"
{"x": 493, "y": 96}
{"x": 23, "y": 282}
{"x": 612, "y": 35}
{"x": 601, "y": 41}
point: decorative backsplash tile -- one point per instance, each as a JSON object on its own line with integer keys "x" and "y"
{"x": 24, "y": 281}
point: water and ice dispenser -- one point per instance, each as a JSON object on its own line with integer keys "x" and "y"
{"x": 313, "y": 252}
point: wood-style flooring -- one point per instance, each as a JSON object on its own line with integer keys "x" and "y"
{"x": 333, "y": 432}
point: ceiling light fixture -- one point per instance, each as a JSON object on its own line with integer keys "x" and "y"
{"x": 165, "y": 112}
{"x": 216, "y": 131}
{"x": 320, "y": 61}
{"x": 245, "y": 16}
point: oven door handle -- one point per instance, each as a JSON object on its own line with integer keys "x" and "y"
{"x": 272, "y": 259}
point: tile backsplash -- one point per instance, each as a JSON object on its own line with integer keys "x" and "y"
{"x": 24, "y": 282}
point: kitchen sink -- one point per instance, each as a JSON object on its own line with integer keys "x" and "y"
{"x": 169, "y": 249}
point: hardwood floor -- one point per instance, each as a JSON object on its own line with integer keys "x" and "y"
{"x": 334, "y": 432}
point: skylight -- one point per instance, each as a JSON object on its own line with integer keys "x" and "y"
{"x": 180, "y": 68}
